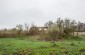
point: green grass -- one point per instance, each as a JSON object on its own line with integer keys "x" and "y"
{"x": 26, "y": 46}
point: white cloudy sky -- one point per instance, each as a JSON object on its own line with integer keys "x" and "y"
{"x": 14, "y": 12}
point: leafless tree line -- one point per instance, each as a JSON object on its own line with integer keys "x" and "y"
{"x": 59, "y": 29}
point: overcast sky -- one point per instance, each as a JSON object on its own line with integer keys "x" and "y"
{"x": 14, "y": 12}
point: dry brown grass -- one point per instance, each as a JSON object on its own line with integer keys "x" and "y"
{"x": 80, "y": 33}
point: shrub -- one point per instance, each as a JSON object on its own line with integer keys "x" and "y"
{"x": 72, "y": 44}
{"x": 53, "y": 33}
{"x": 82, "y": 50}
{"x": 54, "y": 45}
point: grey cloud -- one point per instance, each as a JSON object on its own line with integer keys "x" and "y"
{"x": 13, "y": 12}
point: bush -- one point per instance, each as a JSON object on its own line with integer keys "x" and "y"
{"x": 72, "y": 44}
{"x": 82, "y": 50}
{"x": 53, "y": 44}
{"x": 53, "y": 33}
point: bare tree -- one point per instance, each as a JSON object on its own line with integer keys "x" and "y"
{"x": 26, "y": 28}
{"x": 60, "y": 27}
{"x": 79, "y": 27}
{"x": 48, "y": 24}
{"x": 73, "y": 26}
{"x": 67, "y": 23}
{"x": 33, "y": 30}
{"x": 20, "y": 29}
{"x": 60, "y": 24}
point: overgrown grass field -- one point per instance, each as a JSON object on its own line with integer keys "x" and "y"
{"x": 26, "y": 46}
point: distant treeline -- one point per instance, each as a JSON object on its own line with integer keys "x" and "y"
{"x": 52, "y": 30}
